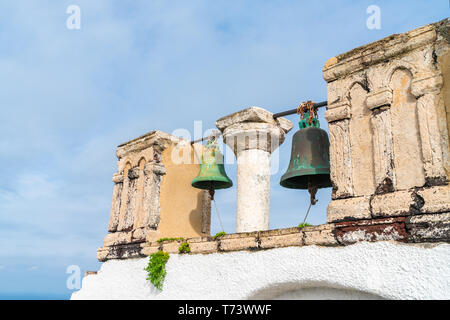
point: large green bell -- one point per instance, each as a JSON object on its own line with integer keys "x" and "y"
{"x": 212, "y": 171}
{"x": 309, "y": 167}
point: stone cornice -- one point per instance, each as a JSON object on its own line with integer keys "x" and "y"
{"x": 253, "y": 114}
{"x": 254, "y": 135}
{"x": 157, "y": 139}
{"x": 382, "y": 50}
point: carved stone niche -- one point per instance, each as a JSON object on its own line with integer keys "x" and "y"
{"x": 152, "y": 194}
{"x": 388, "y": 114}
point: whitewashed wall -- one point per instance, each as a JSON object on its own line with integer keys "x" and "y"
{"x": 380, "y": 270}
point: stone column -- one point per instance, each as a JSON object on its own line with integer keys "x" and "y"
{"x": 383, "y": 152}
{"x": 338, "y": 117}
{"x": 115, "y": 205}
{"x": 253, "y": 135}
{"x": 126, "y": 220}
{"x": 432, "y": 122}
{"x": 153, "y": 173}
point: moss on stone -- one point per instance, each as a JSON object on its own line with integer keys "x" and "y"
{"x": 157, "y": 268}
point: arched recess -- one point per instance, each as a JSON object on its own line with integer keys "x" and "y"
{"x": 360, "y": 131}
{"x": 125, "y": 196}
{"x": 408, "y": 160}
{"x": 360, "y": 78}
{"x": 139, "y": 216}
{"x": 125, "y": 166}
{"x": 398, "y": 65}
{"x": 311, "y": 291}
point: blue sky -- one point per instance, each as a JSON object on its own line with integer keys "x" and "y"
{"x": 69, "y": 97}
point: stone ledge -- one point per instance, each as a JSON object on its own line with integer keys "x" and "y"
{"x": 203, "y": 247}
{"x": 371, "y": 230}
{"x": 392, "y": 204}
{"x": 349, "y": 209}
{"x": 321, "y": 235}
{"x": 419, "y": 228}
{"x": 171, "y": 246}
{"x": 279, "y": 241}
{"x": 400, "y": 203}
{"x": 239, "y": 243}
{"x": 429, "y": 228}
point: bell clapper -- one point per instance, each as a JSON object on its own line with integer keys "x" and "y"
{"x": 312, "y": 191}
{"x": 211, "y": 191}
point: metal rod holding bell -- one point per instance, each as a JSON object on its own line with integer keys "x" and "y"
{"x": 215, "y": 135}
{"x": 275, "y": 115}
{"x": 294, "y": 111}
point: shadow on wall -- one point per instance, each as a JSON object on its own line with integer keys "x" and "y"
{"x": 196, "y": 217}
{"x": 311, "y": 291}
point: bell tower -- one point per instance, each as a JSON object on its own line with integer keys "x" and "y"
{"x": 153, "y": 197}
{"x": 388, "y": 118}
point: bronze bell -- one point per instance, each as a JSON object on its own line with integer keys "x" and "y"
{"x": 309, "y": 167}
{"x": 212, "y": 174}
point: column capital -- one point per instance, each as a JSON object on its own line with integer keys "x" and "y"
{"x": 428, "y": 83}
{"x": 379, "y": 98}
{"x": 117, "y": 177}
{"x": 153, "y": 167}
{"x": 253, "y": 128}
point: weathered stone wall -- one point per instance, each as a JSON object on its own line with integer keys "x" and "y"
{"x": 388, "y": 114}
{"x": 153, "y": 197}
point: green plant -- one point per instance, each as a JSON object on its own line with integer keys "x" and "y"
{"x": 219, "y": 234}
{"x": 157, "y": 268}
{"x": 304, "y": 224}
{"x": 169, "y": 239}
{"x": 184, "y": 248}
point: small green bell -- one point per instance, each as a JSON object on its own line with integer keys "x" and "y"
{"x": 309, "y": 167}
{"x": 212, "y": 174}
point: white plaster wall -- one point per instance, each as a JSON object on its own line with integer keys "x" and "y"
{"x": 365, "y": 270}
